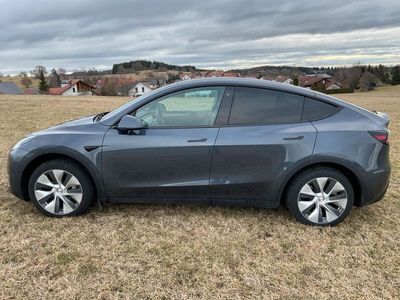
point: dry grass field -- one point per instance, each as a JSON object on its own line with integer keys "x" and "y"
{"x": 180, "y": 252}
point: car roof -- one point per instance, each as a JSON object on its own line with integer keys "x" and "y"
{"x": 246, "y": 82}
{"x": 242, "y": 82}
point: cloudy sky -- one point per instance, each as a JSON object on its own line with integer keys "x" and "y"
{"x": 209, "y": 33}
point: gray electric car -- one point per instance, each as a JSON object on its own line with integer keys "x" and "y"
{"x": 216, "y": 141}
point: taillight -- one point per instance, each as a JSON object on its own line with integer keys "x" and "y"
{"x": 382, "y": 136}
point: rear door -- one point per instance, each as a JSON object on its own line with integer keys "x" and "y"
{"x": 264, "y": 137}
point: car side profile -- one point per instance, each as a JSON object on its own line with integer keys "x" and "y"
{"x": 218, "y": 141}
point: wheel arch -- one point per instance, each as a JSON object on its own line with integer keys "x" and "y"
{"x": 340, "y": 165}
{"x": 43, "y": 157}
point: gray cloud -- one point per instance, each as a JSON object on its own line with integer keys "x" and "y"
{"x": 221, "y": 33}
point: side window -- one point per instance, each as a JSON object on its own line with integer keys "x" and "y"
{"x": 314, "y": 109}
{"x": 260, "y": 106}
{"x": 192, "y": 107}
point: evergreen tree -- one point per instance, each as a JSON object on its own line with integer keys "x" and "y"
{"x": 395, "y": 75}
{"x": 43, "y": 86}
{"x": 296, "y": 81}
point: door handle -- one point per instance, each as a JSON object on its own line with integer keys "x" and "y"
{"x": 300, "y": 137}
{"x": 197, "y": 141}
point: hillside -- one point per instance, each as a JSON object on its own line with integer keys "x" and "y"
{"x": 282, "y": 70}
{"x": 141, "y": 65}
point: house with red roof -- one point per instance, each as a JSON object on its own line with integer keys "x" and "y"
{"x": 75, "y": 87}
{"x": 320, "y": 81}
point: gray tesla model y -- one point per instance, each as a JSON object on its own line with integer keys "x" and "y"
{"x": 217, "y": 141}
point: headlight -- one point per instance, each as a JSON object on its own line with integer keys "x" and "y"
{"x": 23, "y": 141}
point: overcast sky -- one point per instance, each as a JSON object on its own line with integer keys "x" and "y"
{"x": 209, "y": 34}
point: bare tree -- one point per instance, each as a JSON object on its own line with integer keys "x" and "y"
{"x": 25, "y": 80}
{"x": 367, "y": 82}
{"x": 108, "y": 88}
{"x": 62, "y": 73}
{"x": 38, "y": 71}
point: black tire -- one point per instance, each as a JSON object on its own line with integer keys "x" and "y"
{"x": 305, "y": 177}
{"x": 73, "y": 168}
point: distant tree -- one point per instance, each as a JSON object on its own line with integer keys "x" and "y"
{"x": 54, "y": 79}
{"x": 367, "y": 81}
{"x": 296, "y": 81}
{"x": 381, "y": 72}
{"x": 108, "y": 88}
{"x": 61, "y": 72}
{"x": 395, "y": 75}
{"x": 25, "y": 80}
{"x": 172, "y": 78}
{"x": 22, "y": 74}
{"x": 43, "y": 86}
{"x": 92, "y": 71}
{"x": 319, "y": 87}
{"x": 38, "y": 70}
{"x": 349, "y": 75}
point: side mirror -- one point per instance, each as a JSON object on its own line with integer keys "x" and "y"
{"x": 129, "y": 122}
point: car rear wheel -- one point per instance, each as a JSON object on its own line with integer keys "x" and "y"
{"x": 320, "y": 196}
{"x": 61, "y": 188}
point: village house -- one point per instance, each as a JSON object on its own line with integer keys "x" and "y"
{"x": 280, "y": 78}
{"x": 319, "y": 81}
{"x": 138, "y": 89}
{"x": 184, "y": 77}
{"x": 206, "y": 74}
{"x": 155, "y": 83}
{"x": 75, "y": 87}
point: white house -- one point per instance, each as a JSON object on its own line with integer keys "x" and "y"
{"x": 284, "y": 79}
{"x": 138, "y": 89}
{"x": 333, "y": 86}
{"x": 185, "y": 77}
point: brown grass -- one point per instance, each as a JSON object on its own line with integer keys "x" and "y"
{"x": 160, "y": 251}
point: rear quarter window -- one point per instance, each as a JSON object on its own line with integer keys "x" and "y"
{"x": 252, "y": 106}
{"x": 315, "y": 109}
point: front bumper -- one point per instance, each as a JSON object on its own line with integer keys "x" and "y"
{"x": 16, "y": 164}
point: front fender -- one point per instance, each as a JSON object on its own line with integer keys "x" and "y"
{"x": 90, "y": 160}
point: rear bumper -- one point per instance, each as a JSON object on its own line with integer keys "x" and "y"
{"x": 373, "y": 186}
{"x": 16, "y": 163}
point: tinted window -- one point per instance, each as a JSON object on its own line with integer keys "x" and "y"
{"x": 260, "y": 106}
{"x": 314, "y": 109}
{"x": 192, "y": 107}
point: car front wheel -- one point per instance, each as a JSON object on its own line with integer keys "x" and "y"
{"x": 61, "y": 188}
{"x": 320, "y": 196}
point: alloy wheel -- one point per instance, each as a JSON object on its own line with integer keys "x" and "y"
{"x": 322, "y": 200}
{"x": 58, "y": 192}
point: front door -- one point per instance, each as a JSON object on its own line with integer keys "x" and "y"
{"x": 171, "y": 159}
